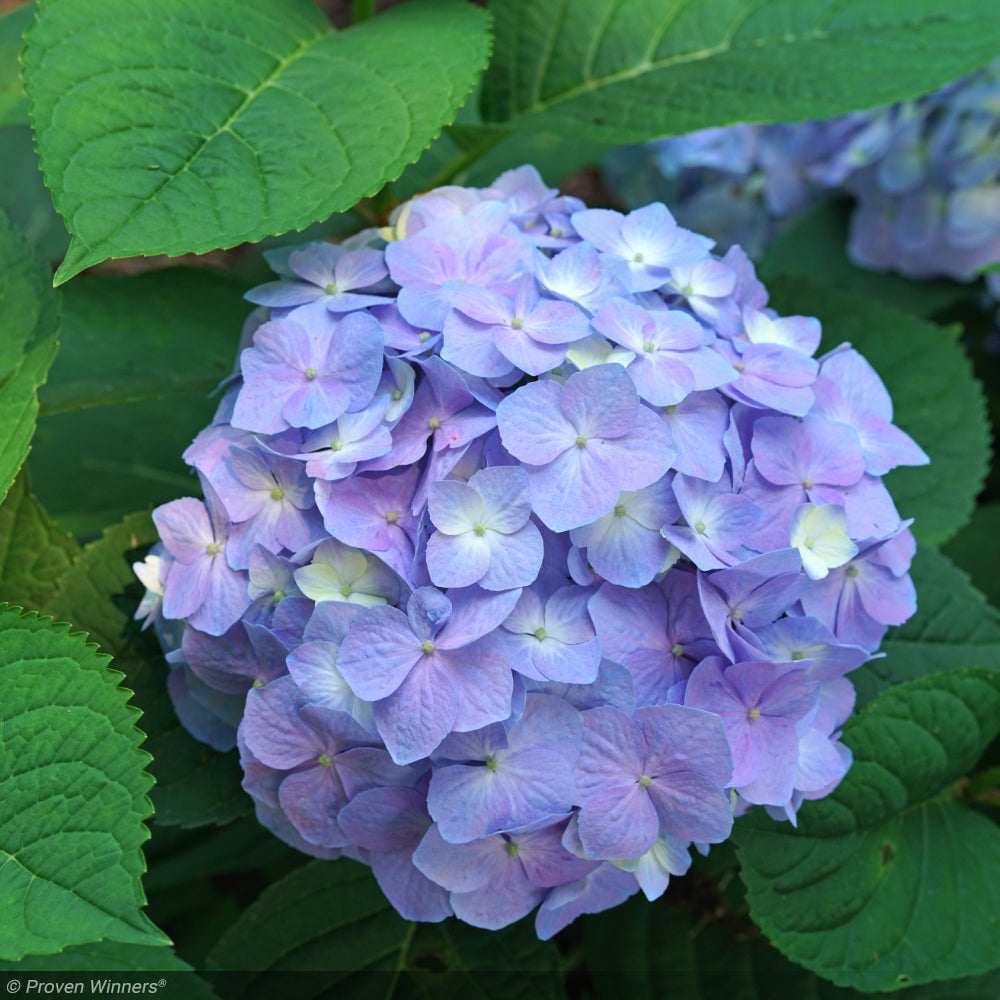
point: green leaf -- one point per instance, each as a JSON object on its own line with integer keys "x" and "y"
{"x": 26, "y": 199}
{"x": 815, "y": 248}
{"x": 953, "y": 627}
{"x": 86, "y": 592}
{"x": 13, "y": 103}
{"x": 858, "y": 892}
{"x": 936, "y": 399}
{"x": 34, "y": 553}
{"x": 635, "y": 948}
{"x": 326, "y": 916}
{"x": 632, "y": 70}
{"x": 178, "y": 855}
{"x": 30, "y": 311}
{"x": 159, "y": 334}
{"x": 331, "y": 917}
{"x": 974, "y": 550}
{"x": 190, "y": 125}
{"x": 74, "y": 795}
{"x": 93, "y": 467}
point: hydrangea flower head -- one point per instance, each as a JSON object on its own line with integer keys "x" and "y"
{"x": 534, "y": 545}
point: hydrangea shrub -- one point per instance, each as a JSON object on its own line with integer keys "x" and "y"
{"x": 534, "y": 546}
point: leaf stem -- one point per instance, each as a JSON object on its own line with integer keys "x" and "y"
{"x": 465, "y": 159}
{"x": 363, "y": 9}
{"x": 404, "y": 950}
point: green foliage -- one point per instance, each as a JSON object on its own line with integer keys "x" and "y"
{"x": 140, "y": 357}
{"x": 74, "y": 795}
{"x": 858, "y": 892}
{"x": 30, "y": 311}
{"x": 638, "y": 947}
{"x": 177, "y": 855}
{"x": 13, "y": 103}
{"x": 194, "y": 124}
{"x": 953, "y": 627}
{"x": 974, "y": 549}
{"x": 331, "y": 917}
{"x": 34, "y": 553}
{"x": 151, "y": 336}
{"x": 24, "y": 197}
{"x": 143, "y": 469}
{"x": 223, "y": 122}
{"x": 87, "y": 590}
{"x": 935, "y": 397}
{"x": 633, "y": 70}
{"x": 814, "y": 247}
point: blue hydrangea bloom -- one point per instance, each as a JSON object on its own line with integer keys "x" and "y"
{"x": 502, "y": 582}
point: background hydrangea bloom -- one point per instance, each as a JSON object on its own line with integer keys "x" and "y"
{"x": 924, "y": 176}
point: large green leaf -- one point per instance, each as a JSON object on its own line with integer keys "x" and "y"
{"x": 632, "y": 70}
{"x": 858, "y": 894}
{"x": 936, "y": 399}
{"x": 974, "y": 549}
{"x": 29, "y": 322}
{"x": 953, "y": 627}
{"x": 34, "y": 553}
{"x": 165, "y": 333}
{"x": 192, "y": 124}
{"x": 331, "y": 917}
{"x": 92, "y": 467}
{"x": 74, "y": 795}
{"x": 177, "y": 855}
